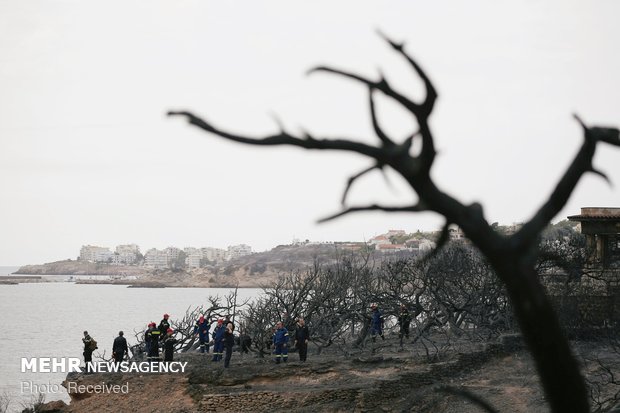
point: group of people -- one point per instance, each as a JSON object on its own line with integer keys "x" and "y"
{"x": 281, "y": 340}
{"x": 376, "y": 323}
{"x": 157, "y": 336}
{"x": 222, "y": 338}
{"x": 154, "y": 338}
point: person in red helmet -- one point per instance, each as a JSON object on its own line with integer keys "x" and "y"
{"x": 163, "y": 327}
{"x": 201, "y": 329}
{"x": 154, "y": 335}
{"x": 218, "y": 340}
{"x": 169, "y": 342}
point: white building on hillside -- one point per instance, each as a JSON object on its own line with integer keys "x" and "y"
{"x": 192, "y": 250}
{"x": 456, "y": 234}
{"x": 380, "y": 240}
{"x": 128, "y": 249}
{"x": 426, "y": 245}
{"x": 89, "y": 252}
{"x": 156, "y": 259}
{"x": 236, "y": 251}
{"x": 104, "y": 256}
{"x": 193, "y": 260}
{"x": 214, "y": 254}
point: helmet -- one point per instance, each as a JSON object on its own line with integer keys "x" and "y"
{"x": 170, "y": 330}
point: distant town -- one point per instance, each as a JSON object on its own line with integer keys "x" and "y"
{"x": 395, "y": 240}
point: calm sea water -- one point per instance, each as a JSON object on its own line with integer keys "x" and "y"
{"x": 48, "y": 320}
{"x": 7, "y": 270}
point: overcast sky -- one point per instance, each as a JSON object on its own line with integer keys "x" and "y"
{"x": 87, "y": 155}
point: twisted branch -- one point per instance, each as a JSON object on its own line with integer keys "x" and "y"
{"x": 512, "y": 258}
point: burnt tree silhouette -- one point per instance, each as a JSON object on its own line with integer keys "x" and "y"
{"x": 513, "y": 258}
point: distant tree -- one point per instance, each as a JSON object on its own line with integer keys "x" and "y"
{"x": 179, "y": 262}
{"x": 513, "y": 258}
{"x": 206, "y": 262}
{"x": 139, "y": 258}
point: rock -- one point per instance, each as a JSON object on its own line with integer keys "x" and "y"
{"x": 55, "y": 406}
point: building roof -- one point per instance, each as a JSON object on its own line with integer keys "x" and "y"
{"x": 597, "y": 214}
{"x": 390, "y": 246}
{"x": 591, "y": 218}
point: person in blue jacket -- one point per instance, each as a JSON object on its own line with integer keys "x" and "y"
{"x": 376, "y": 323}
{"x": 280, "y": 342}
{"x": 202, "y": 330}
{"x": 218, "y": 340}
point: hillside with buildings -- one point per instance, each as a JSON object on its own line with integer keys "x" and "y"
{"x": 236, "y": 264}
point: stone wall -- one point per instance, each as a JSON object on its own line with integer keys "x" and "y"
{"x": 591, "y": 302}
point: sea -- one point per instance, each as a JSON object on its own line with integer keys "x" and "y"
{"x": 47, "y": 319}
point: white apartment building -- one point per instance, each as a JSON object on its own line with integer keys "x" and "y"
{"x": 426, "y": 245}
{"x": 89, "y": 252}
{"x": 156, "y": 259}
{"x": 104, "y": 256}
{"x": 193, "y": 260}
{"x": 236, "y": 251}
{"x": 380, "y": 240}
{"x": 172, "y": 253}
{"x": 214, "y": 254}
{"x": 191, "y": 250}
{"x": 123, "y": 259}
{"x": 456, "y": 233}
{"x": 127, "y": 249}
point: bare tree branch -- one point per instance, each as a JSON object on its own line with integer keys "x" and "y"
{"x": 581, "y": 164}
{"x": 353, "y": 179}
{"x": 512, "y": 258}
{"x": 375, "y": 122}
{"x": 284, "y": 138}
{"x": 374, "y": 207}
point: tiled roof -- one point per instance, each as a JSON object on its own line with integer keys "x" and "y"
{"x": 594, "y": 217}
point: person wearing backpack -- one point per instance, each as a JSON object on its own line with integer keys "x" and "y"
{"x": 90, "y": 345}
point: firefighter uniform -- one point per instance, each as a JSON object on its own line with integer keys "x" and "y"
{"x": 280, "y": 342}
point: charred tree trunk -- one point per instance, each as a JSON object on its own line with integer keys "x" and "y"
{"x": 513, "y": 258}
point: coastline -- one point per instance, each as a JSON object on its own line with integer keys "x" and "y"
{"x": 133, "y": 276}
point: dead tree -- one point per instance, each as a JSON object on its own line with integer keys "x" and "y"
{"x": 513, "y": 258}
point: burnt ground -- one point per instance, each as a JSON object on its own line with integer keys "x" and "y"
{"x": 370, "y": 381}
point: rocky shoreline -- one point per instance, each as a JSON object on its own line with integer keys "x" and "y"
{"x": 70, "y": 267}
{"x": 139, "y": 277}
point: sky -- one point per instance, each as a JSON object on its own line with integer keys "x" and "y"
{"x": 88, "y": 155}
